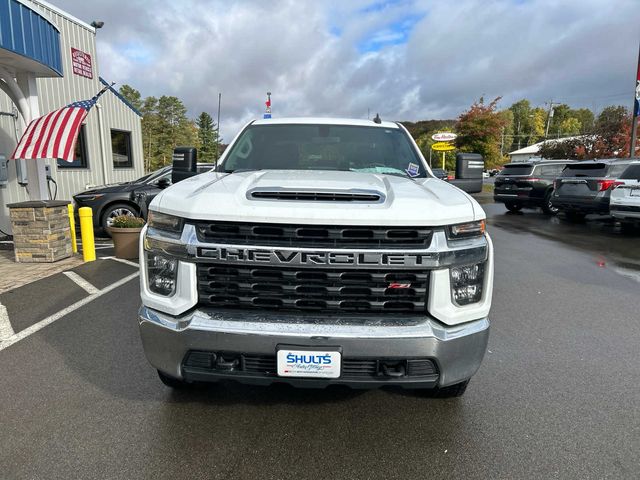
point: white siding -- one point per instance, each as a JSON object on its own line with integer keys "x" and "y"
{"x": 55, "y": 93}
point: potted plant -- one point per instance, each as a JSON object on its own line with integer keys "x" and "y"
{"x": 125, "y": 232}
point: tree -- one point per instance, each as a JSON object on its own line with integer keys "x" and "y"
{"x": 570, "y": 126}
{"x": 480, "y": 131}
{"x": 611, "y": 138}
{"x": 207, "y": 137}
{"x": 613, "y": 128}
{"x": 538, "y": 124}
{"x": 132, "y": 96}
{"x": 586, "y": 119}
{"x": 521, "y": 123}
{"x": 560, "y": 114}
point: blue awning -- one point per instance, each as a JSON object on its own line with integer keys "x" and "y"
{"x": 28, "y": 41}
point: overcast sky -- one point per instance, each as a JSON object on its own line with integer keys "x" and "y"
{"x": 407, "y": 60}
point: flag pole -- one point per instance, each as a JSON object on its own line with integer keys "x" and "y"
{"x": 636, "y": 112}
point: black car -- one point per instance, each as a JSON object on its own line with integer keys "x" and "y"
{"x": 585, "y": 187}
{"x": 528, "y": 184}
{"x": 110, "y": 201}
{"x": 440, "y": 173}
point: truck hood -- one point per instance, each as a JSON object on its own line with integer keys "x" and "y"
{"x": 402, "y": 201}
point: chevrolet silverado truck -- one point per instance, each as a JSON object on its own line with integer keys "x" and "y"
{"x": 318, "y": 252}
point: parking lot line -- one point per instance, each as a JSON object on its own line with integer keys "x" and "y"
{"x": 6, "y": 330}
{"x": 122, "y": 260}
{"x": 81, "y": 282}
{"x": 16, "y": 337}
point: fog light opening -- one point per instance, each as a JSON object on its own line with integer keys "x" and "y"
{"x": 466, "y": 283}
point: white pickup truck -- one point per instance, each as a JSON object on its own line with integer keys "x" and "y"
{"x": 319, "y": 251}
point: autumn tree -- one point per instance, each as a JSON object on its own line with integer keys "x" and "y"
{"x": 611, "y": 137}
{"x": 480, "y": 130}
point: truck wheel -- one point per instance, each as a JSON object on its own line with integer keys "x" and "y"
{"x": 575, "y": 217}
{"x": 513, "y": 207}
{"x": 455, "y": 390}
{"x": 547, "y": 206}
{"x": 173, "y": 382}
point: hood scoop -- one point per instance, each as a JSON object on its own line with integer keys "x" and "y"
{"x": 316, "y": 195}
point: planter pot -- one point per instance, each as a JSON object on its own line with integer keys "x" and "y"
{"x": 125, "y": 241}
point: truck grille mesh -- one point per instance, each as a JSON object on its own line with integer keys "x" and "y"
{"x": 293, "y": 235}
{"x": 330, "y": 290}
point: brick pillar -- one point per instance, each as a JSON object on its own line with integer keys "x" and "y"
{"x": 41, "y": 231}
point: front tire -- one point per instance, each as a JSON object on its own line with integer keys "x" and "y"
{"x": 116, "y": 210}
{"x": 455, "y": 390}
{"x": 513, "y": 207}
{"x": 173, "y": 382}
{"x": 547, "y": 206}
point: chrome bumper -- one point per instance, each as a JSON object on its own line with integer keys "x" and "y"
{"x": 457, "y": 350}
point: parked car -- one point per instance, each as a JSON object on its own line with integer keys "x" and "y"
{"x": 624, "y": 204}
{"x": 111, "y": 201}
{"x": 528, "y": 184}
{"x": 585, "y": 187}
{"x": 440, "y": 173}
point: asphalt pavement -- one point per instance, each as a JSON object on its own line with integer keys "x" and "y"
{"x": 557, "y": 395}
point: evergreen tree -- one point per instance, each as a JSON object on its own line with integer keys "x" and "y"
{"x": 207, "y": 138}
{"x": 131, "y": 95}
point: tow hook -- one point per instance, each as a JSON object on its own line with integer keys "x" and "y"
{"x": 222, "y": 364}
{"x": 393, "y": 369}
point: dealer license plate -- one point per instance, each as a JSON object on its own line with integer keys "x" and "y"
{"x": 308, "y": 363}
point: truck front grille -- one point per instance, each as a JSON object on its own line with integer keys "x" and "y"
{"x": 293, "y": 235}
{"x": 319, "y": 290}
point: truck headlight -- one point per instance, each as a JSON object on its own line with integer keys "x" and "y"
{"x": 466, "y": 283}
{"x": 466, "y": 230}
{"x": 163, "y": 221}
{"x": 162, "y": 272}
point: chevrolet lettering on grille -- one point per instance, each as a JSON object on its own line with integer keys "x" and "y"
{"x": 306, "y": 258}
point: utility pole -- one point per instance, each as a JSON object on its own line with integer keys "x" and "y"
{"x": 636, "y": 112}
{"x": 549, "y": 117}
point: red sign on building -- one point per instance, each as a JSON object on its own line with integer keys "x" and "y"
{"x": 81, "y": 63}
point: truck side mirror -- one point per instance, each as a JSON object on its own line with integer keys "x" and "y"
{"x": 163, "y": 183}
{"x": 185, "y": 162}
{"x": 469, "y": 168}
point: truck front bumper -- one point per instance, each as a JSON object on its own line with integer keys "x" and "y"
{"x": 456, "y": 351}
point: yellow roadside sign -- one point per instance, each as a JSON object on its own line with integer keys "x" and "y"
{"x": 443, "y": 147}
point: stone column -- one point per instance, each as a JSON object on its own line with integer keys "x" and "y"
{"x": 41, "y": 230}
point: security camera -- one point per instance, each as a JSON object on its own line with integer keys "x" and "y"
{"x": 97, "y": 24}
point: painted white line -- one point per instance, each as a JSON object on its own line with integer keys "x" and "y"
{"x": 123, "y": 260}
{"x": 57, "y": 316}
{"x": 6, "y": 330}
{"x": 81, "y": 282}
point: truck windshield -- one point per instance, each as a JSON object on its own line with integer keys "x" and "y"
{"x": 325, "y": 147}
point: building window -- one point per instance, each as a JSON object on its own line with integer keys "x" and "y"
{"x": 80, "y": 156}
{"x": 121, "y": 149}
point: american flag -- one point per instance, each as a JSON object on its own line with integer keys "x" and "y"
{"x": 54, "y": 135}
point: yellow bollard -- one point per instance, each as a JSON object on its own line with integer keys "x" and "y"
{"x": 72, "y": 224}
{"x": 86, "y": 231}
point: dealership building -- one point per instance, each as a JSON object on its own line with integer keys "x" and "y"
{"x": 47, "y": 61}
